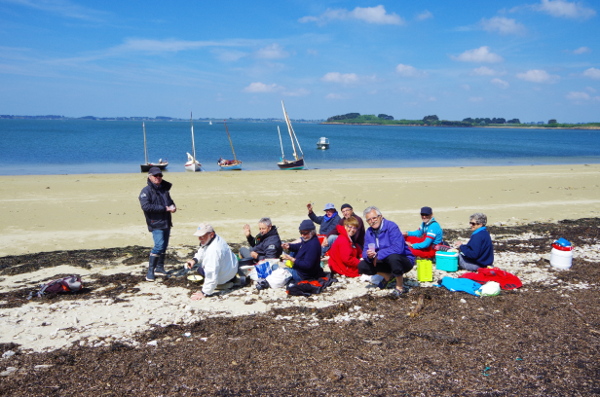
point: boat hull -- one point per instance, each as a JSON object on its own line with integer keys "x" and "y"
{"x": 146, "y": 167}
{"x": 232, "y": 165}
{"x": 322, "y": 146}
{"x": 291, "y": 165}
{"x": 192, "y": 167}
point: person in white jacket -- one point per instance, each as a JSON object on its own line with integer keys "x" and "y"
{"x": 218, "y": 264}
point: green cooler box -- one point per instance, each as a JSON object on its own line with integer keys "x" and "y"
{"x": 446, "y": 261}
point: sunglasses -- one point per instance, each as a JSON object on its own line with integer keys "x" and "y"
{"x": 422, "y": 214}
{"x": 472, "y": 223}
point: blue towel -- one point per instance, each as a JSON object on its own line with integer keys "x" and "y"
{"x": 461, "y": 284}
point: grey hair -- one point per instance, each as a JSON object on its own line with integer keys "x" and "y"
{"x": 371, "y": 208}
{"x": 265, "y": 221}
{"x": 478, "y": 217}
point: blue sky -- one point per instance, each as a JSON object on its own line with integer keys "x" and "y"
{"x": 533, "y": 60}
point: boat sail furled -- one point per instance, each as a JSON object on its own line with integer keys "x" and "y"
{"x": 192, "y": 164}
{"x": 229, "y": 165}
{"x": 298, "y": 162}
{"x": 146, "y": 166}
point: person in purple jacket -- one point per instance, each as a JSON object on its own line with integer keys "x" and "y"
{"x": 385, "y": 251}
{"x": 478, "y": 251}
{"x": 306, "y": 264}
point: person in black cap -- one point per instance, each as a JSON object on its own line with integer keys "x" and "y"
{"x": 306, "y": 264}
{"x": 158, "y": 206}
{"x": 422, "y": 241}
{"x": 359, "y": 236}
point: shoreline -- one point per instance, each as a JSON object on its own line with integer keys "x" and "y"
{"x": 95, "y": 211}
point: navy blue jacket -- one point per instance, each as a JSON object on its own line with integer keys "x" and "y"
{"x": 479, "y": 249}
{"x": 308, "y": 259}
{"x": 326, "y": 225}
{"x": 267, "y": 246}
{"x": 154, "y": 201}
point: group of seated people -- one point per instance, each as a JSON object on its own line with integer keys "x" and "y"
{"x": 352, "y": 251}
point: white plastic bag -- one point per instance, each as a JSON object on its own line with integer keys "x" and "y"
{"x": 491, "y": 288}
{"x": 279, "y": 277}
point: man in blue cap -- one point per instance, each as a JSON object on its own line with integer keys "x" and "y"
{"x": 306, "y": 264}
{"x": 328, "y": 223}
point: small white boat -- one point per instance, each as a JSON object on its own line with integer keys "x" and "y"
{"x": 192, "y": 164}
{"x": 323, "y": 143}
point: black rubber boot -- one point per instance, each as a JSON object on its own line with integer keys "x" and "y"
{"x": 160, "y": 266}
{"x": 152, "y": 263}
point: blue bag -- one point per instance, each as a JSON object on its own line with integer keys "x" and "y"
{"x": 263, "y": 269}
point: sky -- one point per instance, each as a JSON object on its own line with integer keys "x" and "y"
{"x": 533, "y": 60}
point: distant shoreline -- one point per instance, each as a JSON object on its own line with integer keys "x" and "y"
{"x": 585, "y": 127}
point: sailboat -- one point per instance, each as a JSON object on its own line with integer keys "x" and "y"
{"x": 298, "y": 162}
{"x": 229, "y": 165}
{"x": 192, "y": 164}
{"x": 146, "y": 166}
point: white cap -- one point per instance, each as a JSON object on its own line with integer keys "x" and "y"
{"x": 203, "y": 228}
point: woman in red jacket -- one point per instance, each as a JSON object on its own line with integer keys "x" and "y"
{"x": 345, "y": 254}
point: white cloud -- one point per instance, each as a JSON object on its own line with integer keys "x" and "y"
{"x": 343, "y": 78}
{"x": 484, "y": 71}
{"x": 259, "y": 87}
{"x": 424, "y": 15}
{"x": 582, "y": 50}
{"x": 169, "y": 45}
{"x": 376, "y": 15}
{"x": 299, "y": 92}
{"x": 592, "y": 73}
{"x": 409, "y": 71}
{"x": 334, "y": 96}
{"x": 273, "y": 51}
{"x": 476, "y": 99}
{"x": 578, "y": 96}
{"x": 481, "y": 54}
{"x": 502, "y": 25}
{"x": 229, "y": 56}
{"x": 537, "y": 76}
{"x": 500, "y": 83}
{"x": 65, "y": 9}
{"x": 565, "y": 9}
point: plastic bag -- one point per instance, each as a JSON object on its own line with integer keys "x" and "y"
{"x": 491, "y": 288}
{"x": 279, "y": 277}
{"x": 263, "y": 269}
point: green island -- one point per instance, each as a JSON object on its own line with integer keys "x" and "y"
{"x": 434, "y": 121}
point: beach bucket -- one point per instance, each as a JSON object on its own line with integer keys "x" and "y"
{"x": 561, "y": 259}
{"x": 446, "y": 261}
{"x": 424, "y": 270}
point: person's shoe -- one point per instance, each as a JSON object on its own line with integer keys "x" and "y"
{"x": 398, "y": 293}
{"x": 150, "y": 278}
{"x": 387, "y": 284}
{"x": 160, "y": 266}
{"x": 152, "y": 263}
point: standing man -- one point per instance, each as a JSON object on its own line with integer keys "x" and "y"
{"x": 385, "y": 251}
{"x": 158, "y": 206}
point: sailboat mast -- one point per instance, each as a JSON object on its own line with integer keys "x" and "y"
{"x": 230, "y": 143}
{"x": 280, "y": 143}
{"x": 145, "y": 146}
{"x": 290, "y": 130}
{"x": 193, "y": 141}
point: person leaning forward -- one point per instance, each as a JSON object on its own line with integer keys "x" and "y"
{"x": 306, "y": 264}
{"x": 155, "y": 200}
{"x": 218, "y": 264}
{"x": 266, "y": 244}
{"x": 385, "y": 251}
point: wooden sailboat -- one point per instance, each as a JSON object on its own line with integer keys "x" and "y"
{"x": 146, "y": 166}
{"x": 192, "y": 164}
{"x": 298, "y": 162}
{"x": 229, "y": 165}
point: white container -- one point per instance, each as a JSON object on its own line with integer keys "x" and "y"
{"x": 561, "y": 259}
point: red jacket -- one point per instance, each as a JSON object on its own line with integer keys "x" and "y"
{"x": 343, "y": 255}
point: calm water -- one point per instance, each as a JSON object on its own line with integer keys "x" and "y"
{"x": 87, "y": 146}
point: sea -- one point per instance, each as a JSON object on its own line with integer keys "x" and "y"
{"x": 75, "y": 146}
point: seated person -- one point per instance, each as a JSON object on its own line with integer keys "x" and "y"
{"x": 479, "y": 251}
{"x": 266, "y": 244}
{"x": 385, "y": 251}
{"x": 306, "y": 264}
{"x": 422, "y": 242}
{"x": 218, "y": 264}
{"x": 328, "y": 222}
{"x": 344, "y": 255}
{"x": 358, "y": 237}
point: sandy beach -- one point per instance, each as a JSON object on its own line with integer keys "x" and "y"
{"x": 67, "y": 212}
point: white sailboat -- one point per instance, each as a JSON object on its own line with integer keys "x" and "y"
{"x": 146, "y": 166}
{"x": 229, "y": 165}
{"x": 298, "y": 162}
{"x": 192, "y": 164}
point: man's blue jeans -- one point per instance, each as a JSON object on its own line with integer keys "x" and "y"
{"x": 161, "y": 241}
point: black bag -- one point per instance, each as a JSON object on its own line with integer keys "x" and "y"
{"x": 61, "y": 285}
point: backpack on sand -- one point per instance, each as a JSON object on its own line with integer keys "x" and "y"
{"x": 61, "y": 285}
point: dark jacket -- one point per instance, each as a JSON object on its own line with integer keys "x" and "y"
{"x": 308, "y": 259}
{"x": 326, "y": 225}
{"x": 479, "y": 249}
{"x": 154, "y": 201}
{"x": 267, "y": 246}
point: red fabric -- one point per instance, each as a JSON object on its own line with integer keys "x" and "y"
{"x": 343, "y": 259}
{"x": 485, "y": 274}
{"x": 428, "y": 252}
